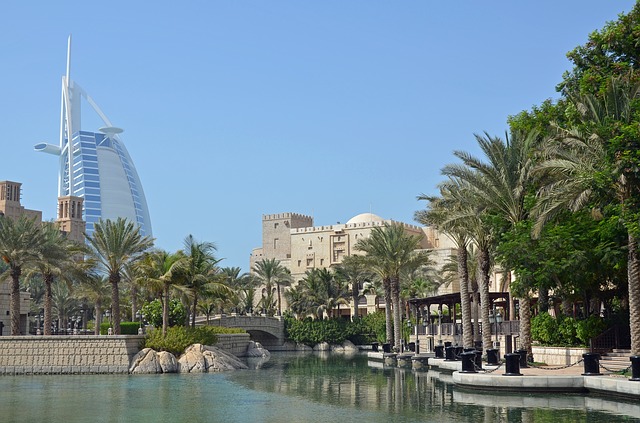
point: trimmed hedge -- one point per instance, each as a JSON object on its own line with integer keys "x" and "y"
{"x": 126, "y": 328}
{"x": 310, "y": 332}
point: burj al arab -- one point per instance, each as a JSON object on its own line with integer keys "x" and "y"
{"x": 95, "y": 164}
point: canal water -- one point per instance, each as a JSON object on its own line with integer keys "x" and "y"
{"x": 289, "y": 388}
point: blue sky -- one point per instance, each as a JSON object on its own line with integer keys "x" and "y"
{"x": 235, "y": 109}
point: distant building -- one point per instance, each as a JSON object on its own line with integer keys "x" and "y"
{"x": 96, "y": 166}
{"x": 69, "y": 221}
{"x": 300, "y": 246}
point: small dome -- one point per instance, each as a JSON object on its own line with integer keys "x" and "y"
{"x": 365, "y": 218}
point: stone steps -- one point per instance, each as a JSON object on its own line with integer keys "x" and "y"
{"x": 616, "y": 361}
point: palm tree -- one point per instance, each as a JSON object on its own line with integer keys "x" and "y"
{"x": 592, "y": 164}
{"x": 243, "y": 285}
{"x": 354, "y": 271}
{"x": 58, "y": 259}
{"x": 270, "y": 272}
{"x": 95, "y": 289}
{"x": 438, "y": 213}
{"x": 503, "y": 181}
{"x": 390, "y": 250}
{"x": 114, "y": 244}
{"x": 201, "y": 272}
{"x": 159, "y": 270}
{"x": 21, "y": 243}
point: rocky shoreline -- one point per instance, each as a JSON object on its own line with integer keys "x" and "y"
{"x": 197, "y": 358}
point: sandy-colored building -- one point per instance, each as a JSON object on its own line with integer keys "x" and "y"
{"x": 69, "y": 221}
{"x": 300, "y": 246}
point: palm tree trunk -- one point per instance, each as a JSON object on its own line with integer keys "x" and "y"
{"x": 397, "y": 311}
{"x": 48, "y": 279}
{"x": 134, "y": 302}
{"x": 15, "y": 301}
{"x": 465, "y": 304}
{"x": 633, "y": 275}
{"x": 485, "y": 302}
{"x": 525, "y": 325}
{"x": 98, "y": 310}
{"x": 195, "y": 309}
{"x": 114, "y": 278}
{"x": 354, "y": 295}
{"x": 475, "y": 312}
{"x": 279, "y": 300}
{"x": 387, "y": 310}
{"x": 165, "y": 309}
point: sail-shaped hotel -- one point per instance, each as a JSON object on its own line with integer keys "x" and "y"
{"x": 95, "y": 166}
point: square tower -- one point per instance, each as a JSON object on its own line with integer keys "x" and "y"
{"x": 70, "y": 219}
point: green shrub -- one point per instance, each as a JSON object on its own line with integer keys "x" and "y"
{"x": 152, "y": 313}
{"x": 126, "y": 328}
{"x": 544, "y": 329}
{"x": 589, "y": 328}
{"x": 335, "y": 331}
{"x": 178, "y": 338}
{"x": 565, "y": 331}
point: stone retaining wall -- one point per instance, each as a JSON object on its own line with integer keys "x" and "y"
{"x": 85, "y": 354}
{"x": 558, "y": 356}
{"x": 234, "y": 343}
{"x": 67, "y": 354}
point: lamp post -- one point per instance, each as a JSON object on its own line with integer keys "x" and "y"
{"x": 139, "y": 316}
{"x": 108, "y": 314}
{"x": 440, "y": 326}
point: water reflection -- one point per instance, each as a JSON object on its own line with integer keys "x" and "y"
{"x": 349, "y": 381}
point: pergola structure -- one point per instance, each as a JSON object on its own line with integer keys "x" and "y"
{"x": 498, "y": 299}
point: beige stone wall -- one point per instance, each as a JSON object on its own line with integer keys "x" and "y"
{"x": 85, "y": 354}
{"x": 557, "y": 356}
{"x": 67, "y": 354}
{"x": 234, "y": 343}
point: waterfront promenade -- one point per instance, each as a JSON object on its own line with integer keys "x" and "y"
{"x": 541, "y": 379}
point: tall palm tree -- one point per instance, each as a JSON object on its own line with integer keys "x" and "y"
{"x": 114, "y": 244}
{"x": 58, "y": 259}
{"x": 593, "y": 163}
{"x": 390, "y": 251}
{"x": 201, "y": 272}
{"x": 354, "y": 271}
{"x": 503, "y": 180}
{"x": 21, "y": 242}
{"x": 271, "y": 272}
{"x": 158, "y": 270}
{"x": 439, "y": 212}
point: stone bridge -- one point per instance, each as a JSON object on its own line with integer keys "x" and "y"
{"x": 269, "y": 331}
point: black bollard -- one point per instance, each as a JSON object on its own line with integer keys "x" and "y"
{"x": 458, "y": 353}
{"x": 492, "y": 356}
{"x": 468, "y": 362}
{"x": 439, "y": 350}
{"x": 591, "y": 363}
{"x": 479, "y": 359}
{"x": 374, "y": 347}
{"x": 523, "y": 358}
{"x": 512, "y": 365}
{"x": 635, "y": 368}
{"x": 386, "y": 348}
{"x": 449, "y": 353}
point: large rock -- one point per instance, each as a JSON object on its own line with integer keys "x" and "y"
{"x": 168, "y": 362}
{"x": 323, "y": 346}
{"x": 199, "y": 358}
{"x": 349, "y": 346}
{"x": 255, "y": 349}
{"x": 145, "y": 362}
